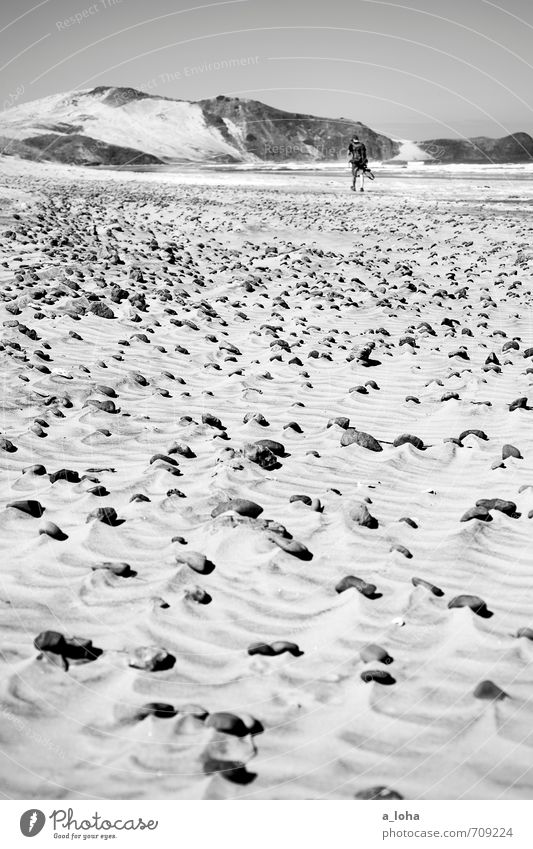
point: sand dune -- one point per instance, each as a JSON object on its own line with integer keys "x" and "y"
{"x": 156, "y": 330}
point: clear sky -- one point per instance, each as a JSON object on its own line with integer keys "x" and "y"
{"x": 415, "y": 69}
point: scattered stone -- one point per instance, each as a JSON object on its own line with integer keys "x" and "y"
{"x": 368, "y": 590}
{"x": 31, "y": 508}
{"x": 372, "y": 652}
{"x": 480, "y": 513}
{"x": 409, "y": 438}
{"x": 507, "y": 507}
{"x": 489, "y": 691}
{"x": 151, "y": 659}
{"x": 360, "y": 515}
{"x": 238, "y": 505}
{"x": 359, "y": 437}
{"x": 511, "y": 451}
{"x": 106, "y": 515}
{"x": 379, "y": 676}
{"x": 272, "y": 649}
{"x": 101, "y": 310}
{"x": 420, "y": 582}
{"x": 474, "y": 602}
{"x": 52, "y": 530}
{"x": 196, "y": 561}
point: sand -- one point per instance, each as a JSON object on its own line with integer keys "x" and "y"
{"x": 267, "y": 478}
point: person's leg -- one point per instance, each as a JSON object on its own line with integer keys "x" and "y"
{"x": 354, "y": 174}
{"x": 362, "y": 173}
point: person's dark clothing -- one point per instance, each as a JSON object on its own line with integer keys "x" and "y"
{"x": 357, "y": 151}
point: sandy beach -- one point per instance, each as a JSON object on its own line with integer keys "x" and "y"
{"x": 267, "y": 480}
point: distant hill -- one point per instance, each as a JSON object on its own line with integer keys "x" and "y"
{"x": 481, "y": 150}
{"x": 122, "y": 126}
{"x": 93, "y": 127}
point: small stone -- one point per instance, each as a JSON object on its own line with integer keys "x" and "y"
{"x": 409, "y": 438}
{"x": 36, "y": 469}
{"x": 151, "y": 659}
{"x": 480, "y": 513}
{"x": 229, "y": 723}
{"x": 377, "y": 675}
{"x": 489, "y": 691}
{"x": 68, "y": 475}
{"x": 241, "y": 506}
{"x": 212, "y": 421}
{"x": 261, "y": 456}
{"x": 473, "y": 432}
{"x": 408, "y": 521}
{"x": 161, "y": 710}
{"x": 277, "y": 448}
{"x": 305, "y": 499}
{"x": 360, "y": 515}
{"x": 341, "y": 421}
{"x": 372, "y": 652}
{"x": 198, "y": 595}
{"x": 511, "y": 451}
{"x": 31, "y": 508}
{"x": 119, "y": 568}
{"x": 474, "y": 602}
{"x": 276, "y": 648}
{"x": 52, "y": 530}
{"x": 101, "y": 310}
{"x": 106, "y": 515}
{"x": 420, "y": 582}
{"x": 368, "y": 590}
{"x": 507, "y": 507}
{"x": 196, "y": 561}
{"x": 401, "y": 549}
{"x": 359, "y": 437}
{"x": 519, "y": 404}
{"x": 292, "y": 546}
{"x": 183, "y": 450}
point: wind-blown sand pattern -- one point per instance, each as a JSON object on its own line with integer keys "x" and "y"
{"x": 313, "y": 617}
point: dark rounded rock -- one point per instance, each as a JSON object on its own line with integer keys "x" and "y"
{"x": 101, "y": 310}
{"x": 53, "y": 531}
{"x": 489, "y": 691}
{"x": 511, "y": 451}
{"x": 275, "y": 648}
{"x": 196, "y": 561}
{"x": 480, "y": 513}
{"x": 379, "y": 676}
{"x": 372, "y": 652}
{"x": 68, "y": 475}
{"x": 238, "y": 505}
{"x": 409, "y": 438}
{"x": 360, "y": 515}
{"x": 276, "y": 448}
{"x": 420, "y": 582}
{"x": 106, "y": 515}
{"x": 474, "y": 602}
{"x": 30, "y": 507}
{"x": 507, "y": 507}
{"x": 473, "y": 432}
{"x": 358, "y": 437}
{"x": 368, "y": 590}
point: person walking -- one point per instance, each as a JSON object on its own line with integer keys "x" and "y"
{"x": 359, "y": 161}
